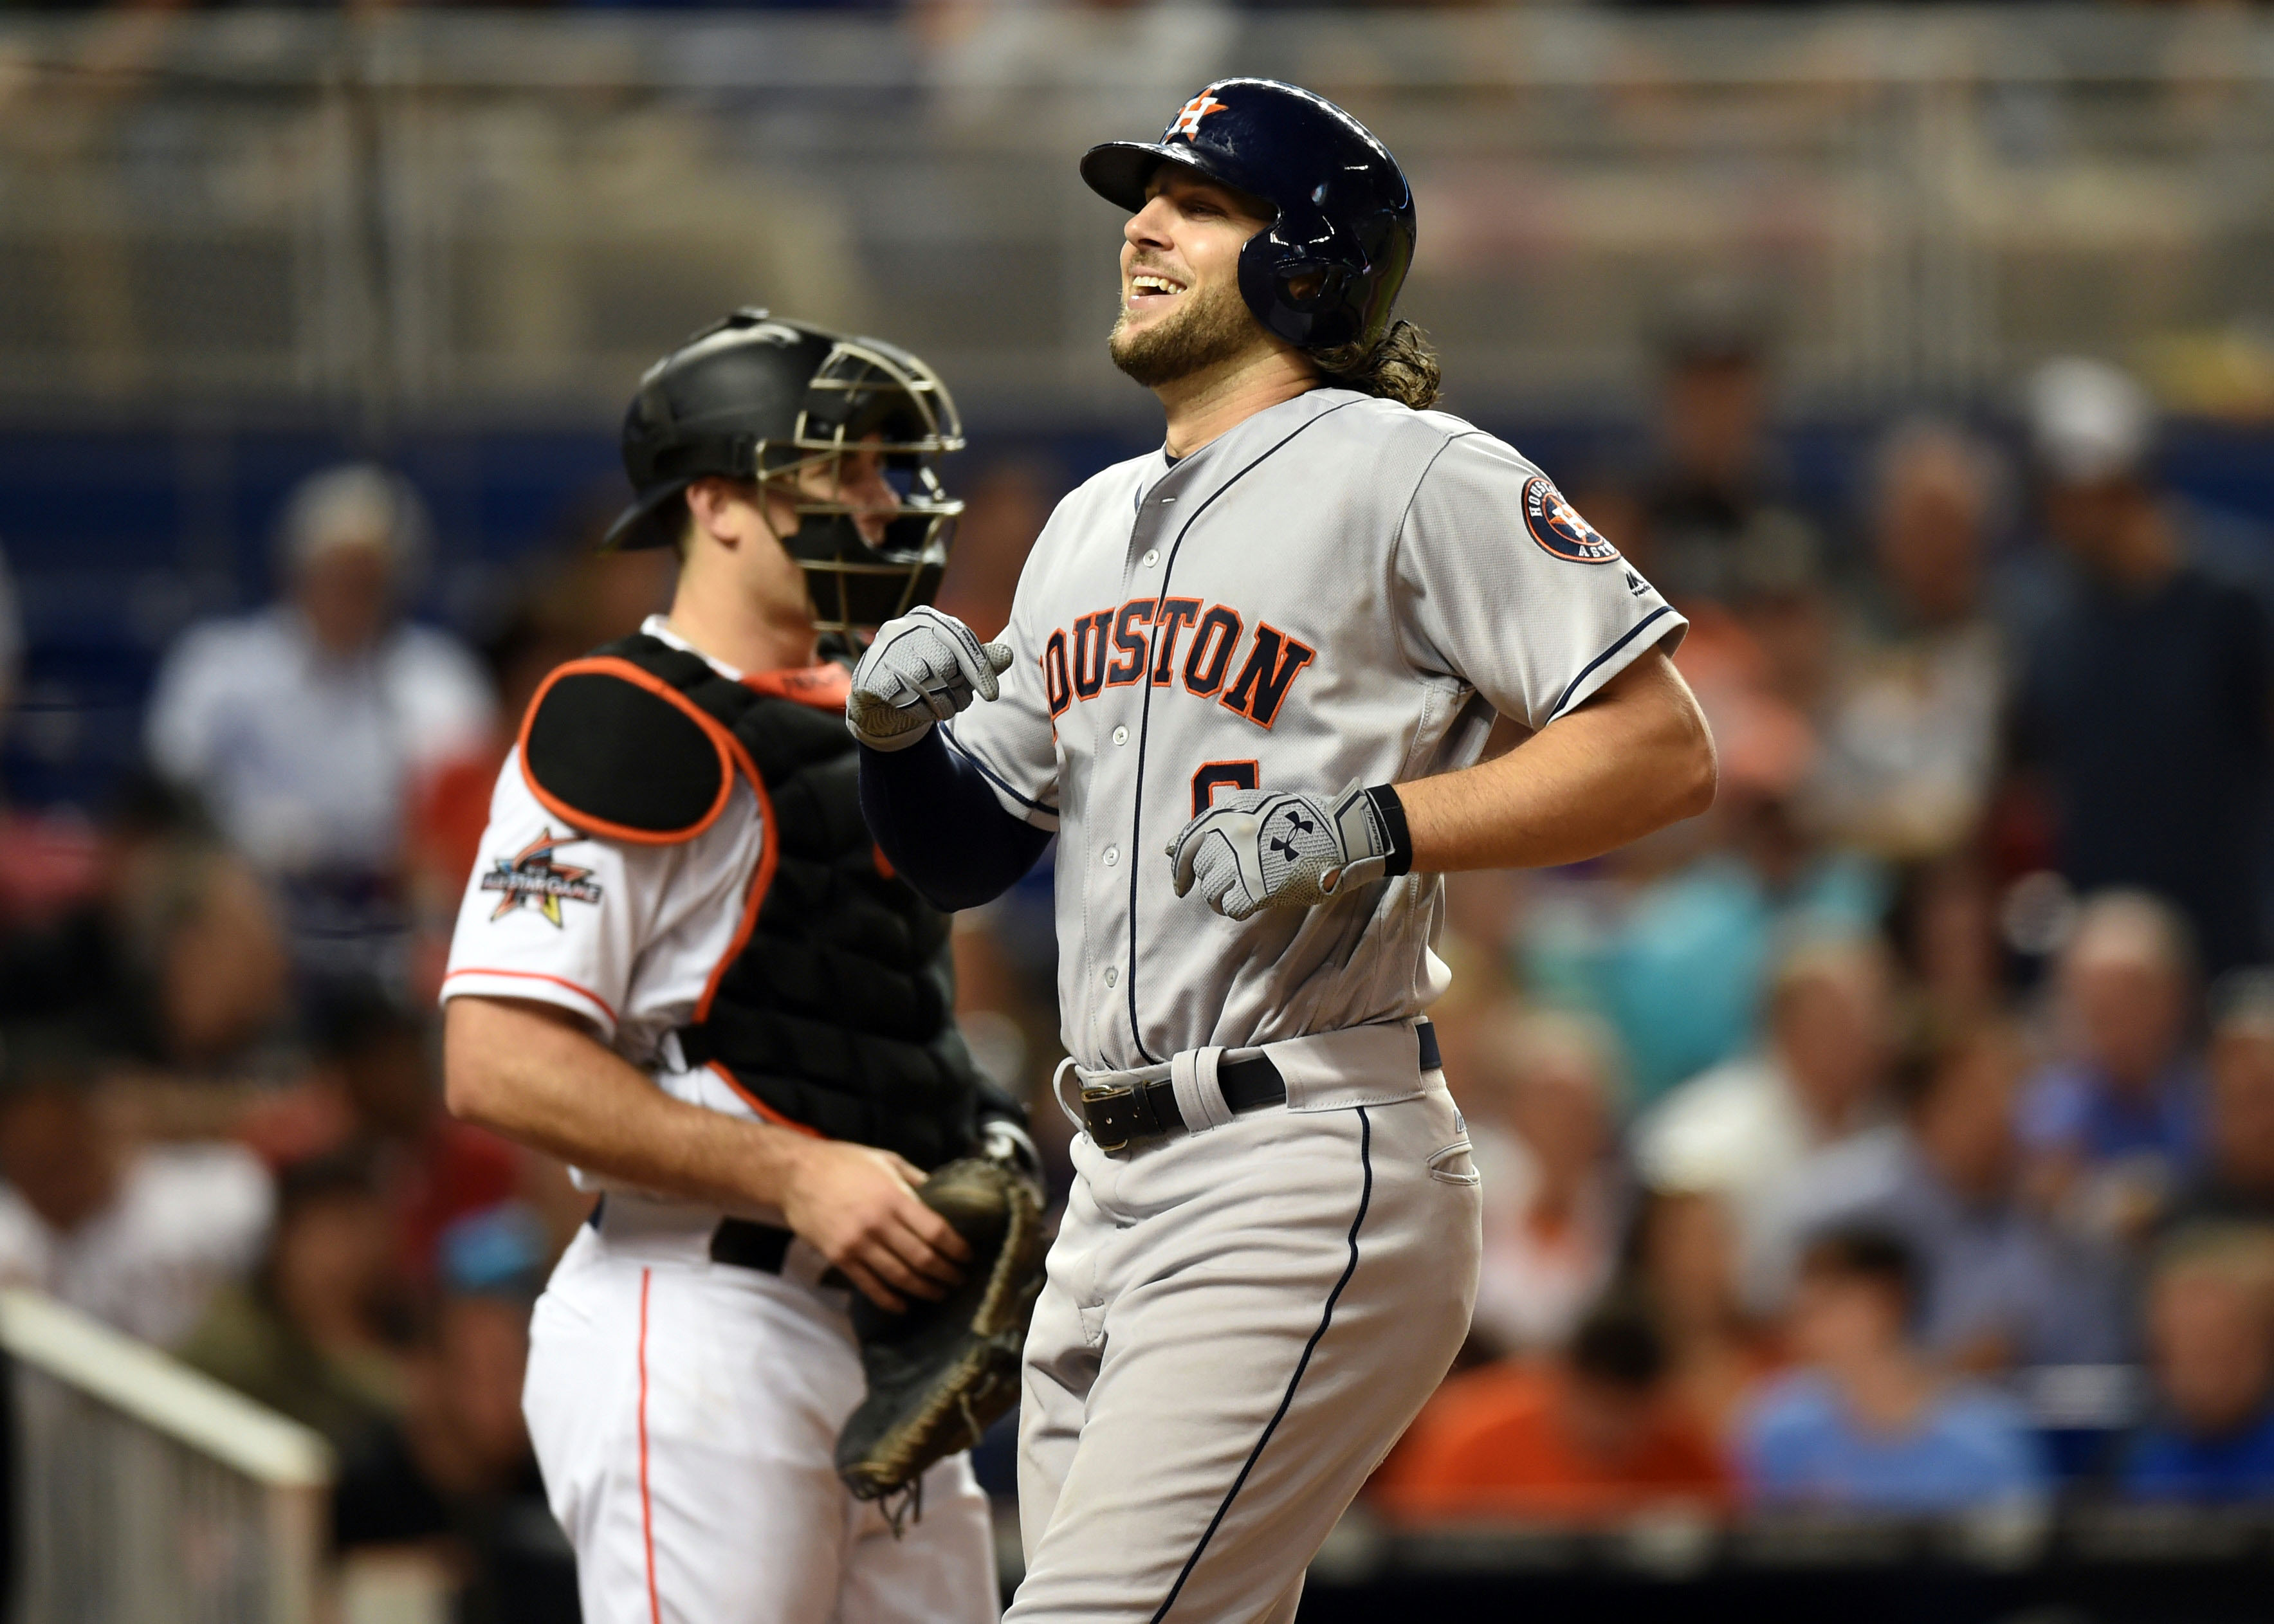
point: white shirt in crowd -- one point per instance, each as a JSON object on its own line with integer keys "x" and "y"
{"x": 188, "y": 1219}
{"x": 307, "y": 760}
{"x": 1739, "y": 1131}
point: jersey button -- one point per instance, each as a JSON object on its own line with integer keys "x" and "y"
{"x": 1152, "y": 557}
{"x": 1112, "y": 855}
{"x": 1113, "y": 976}
{"x": 1120, "y": 735}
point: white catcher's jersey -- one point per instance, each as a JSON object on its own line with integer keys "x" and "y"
{"x": 625, "y": 935}
{"x": 1339, "y": 588}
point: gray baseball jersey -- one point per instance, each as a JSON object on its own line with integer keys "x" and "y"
{"x": 1337, "y": 589}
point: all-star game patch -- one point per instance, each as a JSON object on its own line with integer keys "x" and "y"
{"x": 530, "y": 877}
{"x": 1557, "y": 527}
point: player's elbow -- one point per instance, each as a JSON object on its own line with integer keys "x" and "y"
{"x": 474, "y": 1084}
{"x": 470, "y": 1095}
{"x": 1696, "y": 777}
{"x": 1684, "y": 764}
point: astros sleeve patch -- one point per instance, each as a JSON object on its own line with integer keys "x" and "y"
{"x": 619, "y": 753}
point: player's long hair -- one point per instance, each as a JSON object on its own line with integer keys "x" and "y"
{"x": 1403, "y": 367}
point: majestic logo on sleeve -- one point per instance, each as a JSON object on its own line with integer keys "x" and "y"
{"x": 531, "y": 875}
{"x": 1557, "y": 527}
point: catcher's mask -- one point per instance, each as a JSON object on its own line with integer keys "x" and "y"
{"x": 758, "y": 397}
{"x": 869, "y": 406}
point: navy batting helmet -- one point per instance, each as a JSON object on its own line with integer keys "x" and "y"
{"x": 754, "y": 396}
{"x": 1326, "y": 271}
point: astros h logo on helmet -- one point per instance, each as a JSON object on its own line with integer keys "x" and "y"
{"x": 1187, "y": 121}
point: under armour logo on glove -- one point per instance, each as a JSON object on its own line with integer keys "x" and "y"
{"x": 921, "y": 668}
{"x": 1297, "y": 824}
{"x": 1268, "y": 849}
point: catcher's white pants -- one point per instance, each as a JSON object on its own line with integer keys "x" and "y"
{"x": 685, "y": 1414}
{"x": 1237, "y": 1325}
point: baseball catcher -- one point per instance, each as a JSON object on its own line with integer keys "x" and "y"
{"x": 684, "y": 969}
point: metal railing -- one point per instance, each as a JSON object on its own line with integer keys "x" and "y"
{"x": 147, "y": 1493}
{"x": 420, "y": 214}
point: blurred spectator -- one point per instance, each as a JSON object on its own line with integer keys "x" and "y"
{"x": 1820, "y": 1080}
{"x": 2146, "y": 703}
{"x": 305, "y": 724}
{"x": 1912, "y": 740}
{"x": 1597, "y": 1434}
{"x": 1998, "y": 1286}
{"x": 2115, "y": 1130}
{"x": 2237, "y": 1181}
{"x": 433, "y": 1169}
{"x": 1943, "y": 925}
{"x": 176, "y": 956}
{"x": 1715, "y": 497}
{"x": 1541, "y": 1115}
{"x": 1686, "y": 1266}
{"x": 456, "y": 1475}
{"x": 139, "y": 1237}
{"x": 2211, "y": 1326}
{"x": 307, "y": 1335}
{"x": 1867, "y": 1424}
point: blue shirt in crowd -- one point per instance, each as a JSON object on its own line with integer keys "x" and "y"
{"x": 2076, "y": 1105}
{"x": 1800, "y": 1446}
{"x": 2166, "y": 1463}
{"x": 1991, "y": 1267}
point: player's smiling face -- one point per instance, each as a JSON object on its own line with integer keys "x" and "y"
{"x": 1180, "y": 303}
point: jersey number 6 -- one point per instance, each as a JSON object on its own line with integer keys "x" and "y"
{"x": 1213, "y": 775}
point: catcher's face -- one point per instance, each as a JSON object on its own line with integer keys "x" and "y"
{"x": 853, "y": 481}
{"x": 1180, "y": 303}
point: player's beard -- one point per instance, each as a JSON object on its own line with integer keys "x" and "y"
{"x": 1213, "y": 327}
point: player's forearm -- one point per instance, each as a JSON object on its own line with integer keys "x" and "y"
{"x": 1633, "y": 759}
{"x": 534, "y": 1073}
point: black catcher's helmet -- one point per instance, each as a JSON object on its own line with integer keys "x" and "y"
{"x": 755, "y": 396}
{"x": 1344, "y": 232}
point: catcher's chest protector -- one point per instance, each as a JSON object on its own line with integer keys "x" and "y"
{"x": 835, "y": 1010}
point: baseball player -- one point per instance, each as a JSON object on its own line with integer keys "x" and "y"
{"x": 683, "y": 967}
{"x": 1247, "y": 680}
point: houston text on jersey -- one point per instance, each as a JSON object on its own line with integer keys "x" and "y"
{"x": 1106, "y": 649}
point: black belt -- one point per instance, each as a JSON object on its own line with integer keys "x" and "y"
{"x": 749, "y": 1245}
{"x": 1117, "y": 1115}
{"x": 737, "y": 1241}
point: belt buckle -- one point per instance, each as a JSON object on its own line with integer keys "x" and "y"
{"x": 1099, "y": 1103}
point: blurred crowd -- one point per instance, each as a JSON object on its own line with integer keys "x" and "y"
{"x": 221, "y": 1126}
{"x": 1898, "y": 1136}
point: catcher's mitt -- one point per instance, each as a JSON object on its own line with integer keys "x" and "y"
{"x": 942, "y": 1372}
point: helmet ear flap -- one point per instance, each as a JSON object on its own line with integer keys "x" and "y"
{"x": 1293, "y": 293}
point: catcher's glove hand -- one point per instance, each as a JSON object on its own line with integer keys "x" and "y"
{"x": 920, "y": 669}
{"x": 1270, "y": 849}
{"x": 942, "y": 1372}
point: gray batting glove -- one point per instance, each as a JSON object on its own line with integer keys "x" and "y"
{"x": 1266, "y": 849}
{"x": 921, "y": 668}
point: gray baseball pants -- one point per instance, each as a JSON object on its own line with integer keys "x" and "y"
{"x": 1239, "y": 1323}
